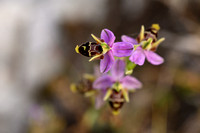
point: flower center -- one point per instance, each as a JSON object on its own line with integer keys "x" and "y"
{"x": 117, "y": 86}
{"x": 105, "y": 47}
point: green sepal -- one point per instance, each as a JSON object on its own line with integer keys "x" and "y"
{"x": 105, "y": 47}
{"x": 147, "y": 44}
{"x": 95, "y": 57}
{"x": 141, "y": 35}
{"x": 125, "y": 94}
{"x": 117, "y": 86}
{"x": 135, "y": 46}
{"x": 89, "y": 93}
{"x": 108, "y": 93}
{"x": 89, "y": 76}
{"x": 155, "y": 45}
{"x": 129, "y": 67}
{"x": 96, "y": 39}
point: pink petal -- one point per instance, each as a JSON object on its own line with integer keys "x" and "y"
{"x": 99, "y": 102}
{"x": 103, "y": 82}
{"x": 107, "y": 62}
{"x": 117, "y": 70}
{"x": 154, "y": 58}
{"x": 108, "y": 36}
{"x": 122, "y": 49}
{"x": 130, "y": 83}
{"x": 128, "y": 39}
{"x": 138, "y": 56}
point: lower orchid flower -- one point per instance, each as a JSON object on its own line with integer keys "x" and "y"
{"x": 148, "y": 44}
{"x": 117, "y": 81}
{"x": 85, "y": 87}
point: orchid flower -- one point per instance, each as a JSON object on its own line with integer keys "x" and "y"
{"x": 111, "y": 49}
{"x": 84, "y": 87}
{"x": 148, "y": 44}
{"x": 115, "y": 86}
{"x": 117, "y": 81}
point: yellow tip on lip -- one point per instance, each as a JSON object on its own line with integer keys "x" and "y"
{"x": 115, "y": 112}
{"x": 73, "y": 88}
{"x": 76, "y": 49}
{"x": 156, "y": 26}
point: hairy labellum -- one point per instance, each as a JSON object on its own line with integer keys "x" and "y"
{"x": 89, "y": 49}
{"x": 84, "y": 86}
{"x": 116, "y": 100}
{"x": 149, "y": 33}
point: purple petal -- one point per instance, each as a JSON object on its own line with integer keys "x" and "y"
{"x": 107, "y": 62}
{"x": 129, "y": 39}
{"x": 97, "y": 73}
{"x": 154, "y": 58}
{"x": 108, "y": 36}
{"x": 117, "y": 70}
{"x": 122, "y": 49}
{"x": 103, "y": 82}
{"x": 99, "y": 99}
{"x": 130, "y": 83}
{"x": 138, "y": 56}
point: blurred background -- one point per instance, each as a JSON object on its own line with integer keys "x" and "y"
{"x": 38, "y": 63}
